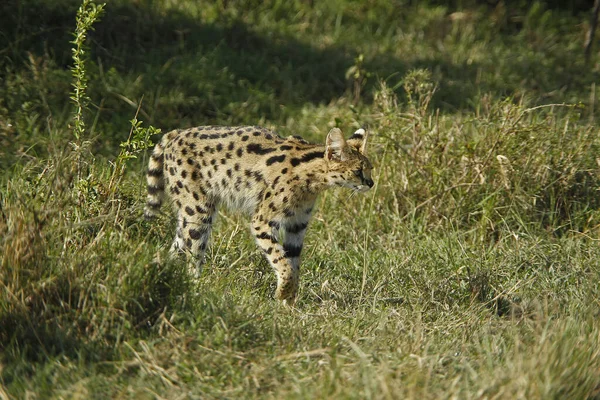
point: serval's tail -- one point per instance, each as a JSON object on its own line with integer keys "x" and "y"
{"x": 155, "y": 178}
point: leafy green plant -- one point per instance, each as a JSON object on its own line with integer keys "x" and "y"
{"x": 137, "y": 142}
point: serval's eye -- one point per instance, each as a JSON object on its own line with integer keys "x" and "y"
{"x": 358, "y": 173}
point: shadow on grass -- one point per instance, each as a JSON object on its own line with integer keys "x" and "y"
{"x": 189, "y": 72}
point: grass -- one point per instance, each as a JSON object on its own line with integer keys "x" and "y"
{"x": 470, "y": 270}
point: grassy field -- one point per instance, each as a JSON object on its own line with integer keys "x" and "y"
{"x": 470, "y": 270}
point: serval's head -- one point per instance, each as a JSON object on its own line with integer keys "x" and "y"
{"x": 347, "y": 161}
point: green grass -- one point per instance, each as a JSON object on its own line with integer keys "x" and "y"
{"x": 470, "y": 270}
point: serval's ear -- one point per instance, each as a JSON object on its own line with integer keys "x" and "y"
{"x": 358, "y": 140}
{"x": 336, "y": 147}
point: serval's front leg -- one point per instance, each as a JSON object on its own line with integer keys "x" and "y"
{"x": 294, "y": 230}
{"x": 266, "y": 229}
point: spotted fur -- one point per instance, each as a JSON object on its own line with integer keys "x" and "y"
{"x": 273, "y": 179}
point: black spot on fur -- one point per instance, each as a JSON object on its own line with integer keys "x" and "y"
{"x": 195, "y": 234}
{"x": 258, "y": 149}
{"x": 307, "y": 158}
{"x": 274, "y": 224}
{"x": 155, "y": 189}
{"x": 155, "y": 172}
{"x": 296, "y": 228}
{"x": 258, "y": 176}
{"x": 275, "y": 159}
{"x": 201, "y": 210}
{"x": 300, "y": 139}
{"x": 292, "y": 251}
{"x": 266, "y": 236}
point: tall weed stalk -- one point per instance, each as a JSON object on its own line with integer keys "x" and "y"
{"x": 87, "y": 14}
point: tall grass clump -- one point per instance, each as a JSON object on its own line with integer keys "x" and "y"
{"x": 505, "y": 167}
{"x": 72, "y": 281}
